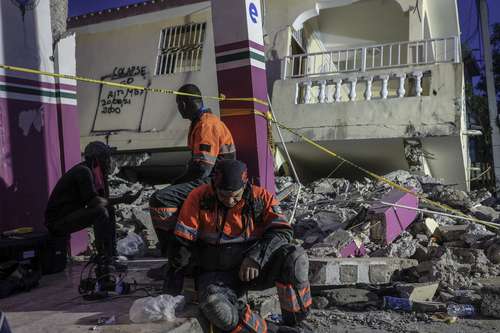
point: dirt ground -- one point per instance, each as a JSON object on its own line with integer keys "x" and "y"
{"x": 337, "y": 321}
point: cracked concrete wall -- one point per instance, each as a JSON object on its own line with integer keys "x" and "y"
{"x": 371, "y": 133}
{"x": 58, "y": 17}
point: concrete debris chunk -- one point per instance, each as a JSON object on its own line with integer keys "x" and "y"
{"x": 490, "y": 305}
{"x": 424, "y": 307}
{"x": 450, "y": 233}
{"x": 351, "y": 271}
{"x": 352, "y": 298}
{"x": 485, "y": 213}
{"x": 466, "y": 297}
{"x": 340, "y": 243}
{"x": 417, "y": 291}
{"x": 493, "y": 252}
{"x": 430, "y": 226}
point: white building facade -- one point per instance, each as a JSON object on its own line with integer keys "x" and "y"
{"x": 378, "y": 81}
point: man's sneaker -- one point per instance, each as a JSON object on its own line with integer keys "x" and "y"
{"x": 118, "y": 266}
{"x": 157, "y": 273}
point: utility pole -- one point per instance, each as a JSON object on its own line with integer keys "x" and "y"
{"x": 490, "y": 88}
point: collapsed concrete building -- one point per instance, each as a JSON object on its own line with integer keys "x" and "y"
{"x": 380, "y": 82}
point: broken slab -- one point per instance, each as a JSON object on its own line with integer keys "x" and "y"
{"x": 388, "y": 222}
{"x": 490, "y": 305}
{"x": 430, "y": 226}
{"x": 451, "y": 233}
{"x": 265, "y": 302}
{"x": 352, "y": 298}
{"x": 340, "y": 243}
{"x": 351, "y": 271}
{"x": 493, "y": 252}
{"x": 417, "y": 291}
{"x": 425, "y": 307}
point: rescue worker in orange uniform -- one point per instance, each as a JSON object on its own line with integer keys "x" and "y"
{"x": 209, "y": 141}
{"x": 240, "y": 240}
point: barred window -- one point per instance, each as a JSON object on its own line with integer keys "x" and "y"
{"x": 180, "y": 49}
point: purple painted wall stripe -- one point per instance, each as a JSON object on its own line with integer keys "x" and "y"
{"x": 38, "y": 84}
{"x": 239, "y": 45}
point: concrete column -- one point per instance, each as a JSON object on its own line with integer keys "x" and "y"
{"x": 352, "y": 93}
{"x": 241, "y": 72}
{"x": 418, "y": 82}
{"x": 322, "y": 91}
{"x": 385, "y": 80}
{"x": 338, "y": 91}
{"x": 368, "y": 92}
{"x": 401, "y": 89}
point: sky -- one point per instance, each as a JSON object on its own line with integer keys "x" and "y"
{"x": 467, "y": 13}
{"x": 469, "y": 23}
{"x": 467, "y": 10}
{"x": 79, "y": 7}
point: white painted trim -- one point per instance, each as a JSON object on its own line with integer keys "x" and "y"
{"x": 241, "y": 63}
{"x": 35, "y": 98}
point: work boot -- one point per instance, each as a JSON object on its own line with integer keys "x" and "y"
{"x": 157, "y": 273}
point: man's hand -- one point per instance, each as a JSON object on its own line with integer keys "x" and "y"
{"x": 249, "y": 270}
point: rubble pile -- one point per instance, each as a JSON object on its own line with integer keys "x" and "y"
{"x": 134, "y": 217}
{"x": 447, "y": 258}
{"x": 453, "y": 254}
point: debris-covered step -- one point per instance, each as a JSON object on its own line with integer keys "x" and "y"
{"x": 350, "y": 271}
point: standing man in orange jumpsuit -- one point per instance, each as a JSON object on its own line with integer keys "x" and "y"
{"x": 209, "y": 141}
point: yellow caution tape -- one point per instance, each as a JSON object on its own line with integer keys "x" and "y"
{"x": 130, "y": 86}
{"x": 268, "y": 117}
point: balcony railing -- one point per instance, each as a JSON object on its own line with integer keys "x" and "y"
{"x": 373, "y": 57}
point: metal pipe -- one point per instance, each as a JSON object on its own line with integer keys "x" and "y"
{"x": 295, "y": 175}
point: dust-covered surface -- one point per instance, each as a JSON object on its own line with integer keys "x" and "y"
{"x": 459, "y": 255}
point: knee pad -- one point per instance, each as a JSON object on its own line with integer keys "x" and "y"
{"x": 296, "y": 266}
{"x": 220, "y": 311}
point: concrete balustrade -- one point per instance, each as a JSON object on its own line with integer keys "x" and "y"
{"x": 346, "y": 89}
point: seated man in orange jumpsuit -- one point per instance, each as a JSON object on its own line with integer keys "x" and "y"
{"x": 210, "y": 141}
{"x": 239, "y": 239}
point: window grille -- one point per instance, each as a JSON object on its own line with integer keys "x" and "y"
{"x": 180, "y": 49}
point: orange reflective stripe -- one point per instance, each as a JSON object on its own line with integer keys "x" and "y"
{"x": 251, "y": 323}
{"x": 164, "y": 209}
{"x": 288, "y": 297}
{"x": 186, "y": 232}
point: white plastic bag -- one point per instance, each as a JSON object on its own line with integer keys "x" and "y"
{"x": 150, "y": 309}
{"x": 132, "y": 245}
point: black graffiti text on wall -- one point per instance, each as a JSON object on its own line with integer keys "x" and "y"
{"x": 115, "y": 100}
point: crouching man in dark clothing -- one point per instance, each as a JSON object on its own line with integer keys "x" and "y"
{"x": 80, "y": 199}
{"x": 241, "y": 241}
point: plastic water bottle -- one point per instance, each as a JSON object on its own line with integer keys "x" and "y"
{"x": 461, "y": 310}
